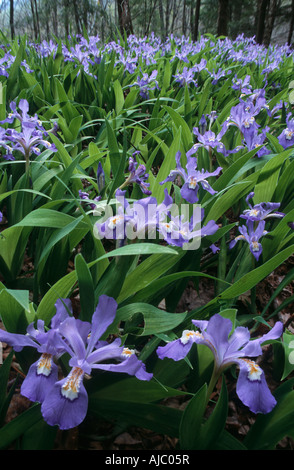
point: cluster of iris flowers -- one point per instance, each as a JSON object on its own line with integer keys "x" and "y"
{"x": 64, "y": 401}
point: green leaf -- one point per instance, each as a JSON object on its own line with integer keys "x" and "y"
{"x": 155, "y": 286}
{"x": 159, "y": 418}
{"x": 140, "y": 249}
{"x": 119, "y": 96}
{"x": 155, "y": 320}
{"x": 13, "y": 310}
{"x": 146, "y": 272}
{"x": 192, "y": 419}
{"x": 39, "y": 436}
{"x": 167, "y": 165}
{"x": 13, "y": 243}
{"x": 268, "y": 178}
{"x": 181, "y": 123}
{"x": 134, "y": 390}
{"x": 47, "y": 218}
{"x": 62, "y": 288}
{"x": 4, "y": 377}
{"x": 212, "y": 429}
{"x": 15, "y": 428}
{"x": 114, "y": 153}
{"x": 252, "y": 278}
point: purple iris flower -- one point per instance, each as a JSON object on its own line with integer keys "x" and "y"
{"x": 130, "y": 63}
{"x": 218, "y": 75}
{"x": 138, "y": 174}
{"x": 199, "y": 67}
{"x": 242, "y": 85}
{"x": 209, "y": 140}
{"x": 67, "y": 403}
{"x": 146, "y": 83}
{"x": 261, "y": 211}
{"x": 251, "y": 235}
{"x": 179, "y": 231}
{"x": 254, "y": 140}
{"x": 22, "y": 115}
{"x": 28, "y": 140}
{"x": 85, "y": 197}
{"x": 42, "y": 374}
{"x": 4, "y": 143}
{"x": 228, "y": 349}
{"x": 192, "y": 178}
{"x": 132, "y": 221}
{"x": 115, "y": 226}
{"x": 186, "y": 77}
{"x": 31, "y": 135}
{"x": 244, "y": 119}
{"x": 286, "y": 138}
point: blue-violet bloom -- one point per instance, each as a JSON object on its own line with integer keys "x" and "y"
{"x": 67, "y": 403}
{"x": 192, "y": 178}
{"x": 228, "y": 349}
{"x": 251, "y": 235}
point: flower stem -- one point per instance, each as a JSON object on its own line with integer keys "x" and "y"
{"x": 126, "y": 183}
{"x": 210, "y": 160}
{"x": 213, "y": 380}
{"x": 27, "y": 165}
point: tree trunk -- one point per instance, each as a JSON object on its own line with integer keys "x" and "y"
{"x": 196, "y": 21}
{"x": 66, "y": 17}
{"x": 34, "y": 20}
{"x": 222, "y": 20}
{"x": 12, "y": 19}
{"x": 270, "y": 20}
{"x": 151, "y": 13}
{"x": 124, "y": 17}
{"x": 184, "y": 22}
{"x": 85, "y": 13}
{"x": 37, "y": 19}
{"x": 77, "y": 16}
{"x": 291, "y": 24}
{"x": 161, "y": 20}
{"x": 167, "y": 13}
{"x": 262, "y": 9}
{"x": 175, "y": 13}
{"x": 191, "y": 16}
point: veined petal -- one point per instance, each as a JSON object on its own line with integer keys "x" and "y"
{"x": 217, "y": 334}
{"x": 69, "y": 330}
{"x": 16, "y": 341}
{"x": 179, "y": 348}
{"x": 102, "y": 318}
{"x": 67, "y": 403}
{"x": 190, "y": 195}
{"x": 239, "y": 338}
{"x": 105, "y": 352}
{"x": 253, "y": 348}
{"x": 40, "y": 378}
{"x": 132, "y": 366}
{"x": 63, "y": 309}
{"x": 252, "y": 388}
